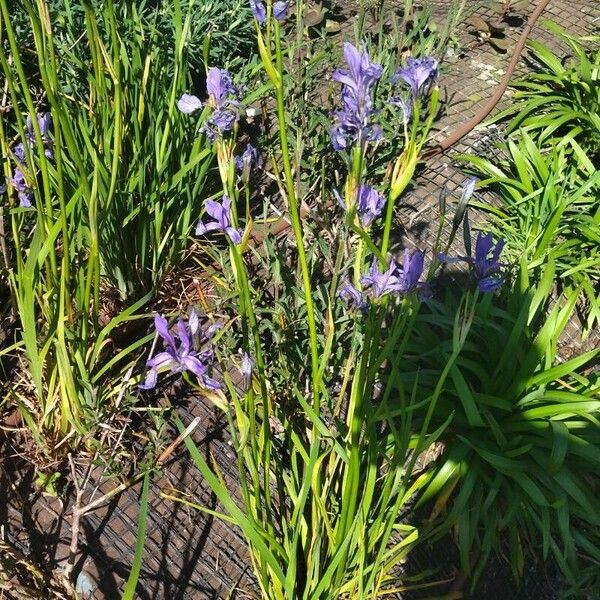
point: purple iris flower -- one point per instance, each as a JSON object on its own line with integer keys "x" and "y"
{"x": 352, "y": 296}
{"x": 220, "y": 87}
{"x": 19, "y": 182}
{"x": 221, "y": 213}
{"x": 398, "y": 279}
{"x": 354, "y": 124}
{"x": 223, "y": 97}
{"x": 409, "y": 274}
{"x": 248, "y": 160}
{"x": 246, "y": 371}
{"x": 378, "y": 283}
{"x": 19, "y": 151}
{"x": 485, "y": 264}
{"x": 179, "y": 354}
{"x": 369, "y": 204}
{"x": 260, "y": 12}
{"x": 44, "y": 124}
{"x": 280, "y": 10}
{"x": 418, "y": 74}
{"x": 2, "y": 189}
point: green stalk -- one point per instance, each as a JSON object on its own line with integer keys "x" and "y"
{"x": 460, "y": 334}
{"x": 296, "y": 223}
{"x": 355, "y": 422}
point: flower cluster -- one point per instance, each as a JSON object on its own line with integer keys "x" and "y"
{"x": 259, "y": 10}
{"x": 221, "y": 213}
{"x": 400, "y": 279}
{"x": 369, "y": 204}
{"x": 354, "y": 122}
{"x": 180, "y": 353}
{"x": 485, "y": 264}
{"x": 418, "y": 75}
{"x": 19, "y": 180}
{"x": 223, "y": 98}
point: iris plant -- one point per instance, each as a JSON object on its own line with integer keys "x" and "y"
{"x": 247, "y": 162}
{"x": 354, "y": 297}
{"x": 179, "y": 354}
{"x": 398, "y": 279}
{"x": 260, "y": 12}
{"x": 221, "y": 213}
{"x": 485, "y": 264}
{"x": 418, "y": 74}
{"x": 369, "y": 204}
{"x": 223, "y": 98}
{"x": 44, "y": 122}
{"x": 18, "y": 180}
{"x": 22, "y": 188}
{"x": 246, "y": 370}
{"x": 354, "y": 122}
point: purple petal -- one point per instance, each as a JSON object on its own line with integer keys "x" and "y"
{"x": 280, "y": 10}
{"x": 162, "y": 328}
{"x": 235, "y": 235}
{"x": 162, "y": 359}
{"x": 150, "y": 381}
{"x": 188, "y": 104}
{"x": 353, "y": 58}
{"x": 24, "y": 199}
{"x": 19, "y": 151}
{"x": 211, "y": 384}
{"x": 483, "y": 245}
{"x": 194, "y": 322}
{"x": 349, "y": 293}
{"x": 44, "y": 123}
{"x": 490, "y": 284}
{"x": 203, "y": 228}
{"x": 338, "y": 139}
{"x": 210, "y": 332}
{"x": 193, "y": 364}
{"x": 216, "y": 209}
{"x": 224, "y": 119}
{"x": 184, "y": 337}
{"x": 258, "y": 10}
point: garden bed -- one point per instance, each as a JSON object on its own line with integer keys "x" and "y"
{"x": 189, "y": 555}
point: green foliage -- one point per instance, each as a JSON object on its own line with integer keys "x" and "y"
{"x": 227, "y": 22}
{"x": 561, "y": 102}
{"x": 112, "y": 209}
{"x": 520, "y": 459}
{"x": 549, "y": 209}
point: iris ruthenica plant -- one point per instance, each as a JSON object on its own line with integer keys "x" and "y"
{"x": 326, "y": 453}
{"x": 101, "y": 184}
{"x": 339, "y": 365}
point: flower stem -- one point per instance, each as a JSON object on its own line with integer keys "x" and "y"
{"x": 296, "y": 223}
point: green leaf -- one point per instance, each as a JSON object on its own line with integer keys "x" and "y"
{"x": 129, "y": 591}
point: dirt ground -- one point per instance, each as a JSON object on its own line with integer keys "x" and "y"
{"x": 189, "y": 556}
